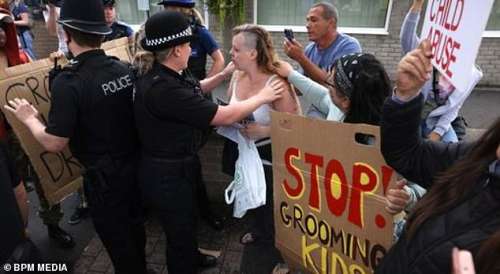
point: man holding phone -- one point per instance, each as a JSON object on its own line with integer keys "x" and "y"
{"x": 327, "y": 46}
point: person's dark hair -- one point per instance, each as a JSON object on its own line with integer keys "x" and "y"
{"x": 486, "y": 260}
{"x": 329, "y": 11}
{"x": 455, "y": 183}
{"x": 84, "y": 39}
{"x": 370, "y": 90}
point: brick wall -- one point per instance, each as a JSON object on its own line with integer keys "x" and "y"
{"x": 385, "y": 47}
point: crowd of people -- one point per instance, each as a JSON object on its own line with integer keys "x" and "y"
{"x": 139, "y": 145}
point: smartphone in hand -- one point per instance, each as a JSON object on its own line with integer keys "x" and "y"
{"x": 289, "y": 34}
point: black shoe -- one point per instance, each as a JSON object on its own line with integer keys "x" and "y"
{"x": 60, "y": 236}
{"x": 216, "y": 223}
{"x": 206, "y": 261}
{"x": 79, "y": 214}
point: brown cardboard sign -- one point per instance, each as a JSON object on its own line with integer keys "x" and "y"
{"x": 329, "y": 195}
{"x": 59, "y": 173}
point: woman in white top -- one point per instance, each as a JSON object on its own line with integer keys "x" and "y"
{"x": 255, "y": 62}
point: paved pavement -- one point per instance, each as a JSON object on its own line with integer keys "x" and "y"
{"x": 94, "y": 258}
{"x": 480, "y": 110}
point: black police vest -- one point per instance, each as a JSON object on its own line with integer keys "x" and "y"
{"x": 105, "y": 111}
{"x": 163, "y": 137}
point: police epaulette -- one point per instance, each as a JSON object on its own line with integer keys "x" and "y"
{"x": 71, "y": 66}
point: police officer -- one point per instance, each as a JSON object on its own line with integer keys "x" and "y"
{"x": 92, "y": 111}
{"x": 170, "y": 114}
{"x": 203, "y": 44}
{"x": 118, "y": 28}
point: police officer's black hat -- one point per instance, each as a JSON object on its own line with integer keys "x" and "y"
{"x": 108, "y": 3}
{"x": 178, "y": 3}
{"x": 166, "y": 29}
{"x": 85, "y": 16}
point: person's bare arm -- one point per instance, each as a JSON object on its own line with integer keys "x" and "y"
{"x": 218, "y": 63}
{"x": 25, "y": 20}
{"x": 287, "y": 103}
{"x": 209, "y": 83}
{"x": 295, "y": 51}
{"x": 27, "y": 114}
{"x": 52, "y": 20}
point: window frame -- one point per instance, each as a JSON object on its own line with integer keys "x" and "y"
{"x": 204, "y": 12}
{"x": 350, "y": 30}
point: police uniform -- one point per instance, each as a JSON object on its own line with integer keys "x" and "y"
{"x": 119, "y": 30}
{"x": 171, "y": 114}
{"x": 202, "y": 44}
{"x": 92, "y": 106}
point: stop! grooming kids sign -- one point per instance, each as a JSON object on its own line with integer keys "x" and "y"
{"x": 455, "y": 29}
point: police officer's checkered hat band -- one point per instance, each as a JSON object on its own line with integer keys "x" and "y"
{"x": 163, "y": 40}
{"x": 166, "y": 29}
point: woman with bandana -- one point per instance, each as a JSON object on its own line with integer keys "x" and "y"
{"x": 355, "y": 90}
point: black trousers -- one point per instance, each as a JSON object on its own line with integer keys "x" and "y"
{"x": 262, "y": 218}
{"x": 169, "y": 188}
{"x": 118, "y": 218}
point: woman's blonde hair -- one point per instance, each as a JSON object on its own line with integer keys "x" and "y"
{"x": 259, "y": 39}
{"x": 144, "y": 59}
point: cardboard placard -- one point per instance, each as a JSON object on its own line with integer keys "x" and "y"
{"x": 59, "y": 173}
{"x": 455, "y": 29}
{"x": 328, "y": 195}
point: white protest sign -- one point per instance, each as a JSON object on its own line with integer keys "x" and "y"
{"x": 455, "y": 29}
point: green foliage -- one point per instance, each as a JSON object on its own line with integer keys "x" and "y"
{"x": 224, "y": 8}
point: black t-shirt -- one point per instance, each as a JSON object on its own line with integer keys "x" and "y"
{"x": 171, "y": 113}
{"x": 92, "y": 105}
{"x": 12, "y": 228}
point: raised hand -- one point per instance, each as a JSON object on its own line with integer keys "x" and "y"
{"x": 293, "y": 49}
{"x": 272, "y": 92}
{"x": 22, "y": 109}
{"x": 283, "y": 69}
{"x": 413, "y": 71}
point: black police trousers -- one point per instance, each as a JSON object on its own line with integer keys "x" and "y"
{"x": 117, "y": 214}
{"x": 169, "y": 189}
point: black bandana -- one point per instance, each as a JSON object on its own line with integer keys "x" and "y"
{"x": 346, "y": 72}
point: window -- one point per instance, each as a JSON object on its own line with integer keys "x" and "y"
{"x": 355, "y": 16}
{"x": 128, "y": 12}
{"x": 493, "y": 26}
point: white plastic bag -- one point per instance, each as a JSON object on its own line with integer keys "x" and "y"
{"x": 248, "y": 188}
